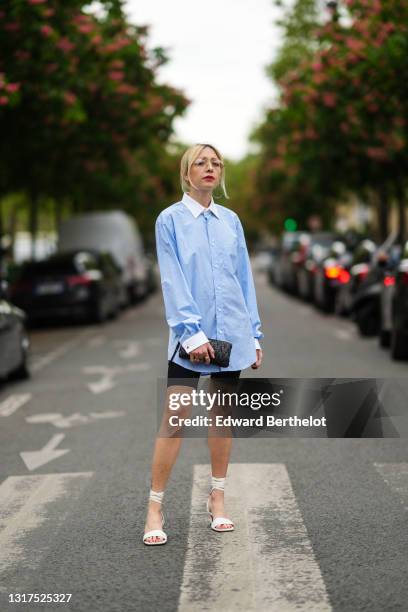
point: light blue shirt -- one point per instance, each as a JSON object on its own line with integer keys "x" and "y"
{"x": 207, "y": 282}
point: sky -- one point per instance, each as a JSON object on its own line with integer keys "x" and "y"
{"x": 218, "y": 51}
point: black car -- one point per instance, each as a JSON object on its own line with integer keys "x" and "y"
{"x": 307, "y": 253}
{"x": 14, "y": 339}
{"x": 399, "y": 331}
{"x": 358, "y": 269}
{"x": 81, "y": 283}
{"x": 330, "y": 274}
{"x": 387, "y": 296}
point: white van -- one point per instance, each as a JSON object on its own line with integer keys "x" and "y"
{"x": 112, "y": 231}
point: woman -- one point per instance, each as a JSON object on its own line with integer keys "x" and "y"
{"x": 208, "y": 292}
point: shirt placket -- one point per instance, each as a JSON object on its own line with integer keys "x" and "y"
{"x": 216, "y": 271}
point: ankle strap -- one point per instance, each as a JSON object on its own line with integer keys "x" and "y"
{"x": 156, "y": 496}
{"x": 217, "y": 483}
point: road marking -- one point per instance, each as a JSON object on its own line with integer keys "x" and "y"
{"x": 65, "y": 422}
{"x": 24, "y": 507}
{"x": 35, "y": 459}
{"x": 131, "y": 348}
{"x": 96, "y": 341}
{"x": 154, "y": 341}
{"x": 107, "y": 382}
{"x": 344, "y": 334}
{"x": 13, "y": 402}
{"x": 266, "y": 564}
{"x": 42, "y": 362}
{"x": 396, "y": 477}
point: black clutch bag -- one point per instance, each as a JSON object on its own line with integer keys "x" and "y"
{"x": 222, "y": 350}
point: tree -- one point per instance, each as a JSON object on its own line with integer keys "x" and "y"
{"x": 80, "y": 102}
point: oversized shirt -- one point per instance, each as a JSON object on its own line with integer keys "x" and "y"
{"x": 207, "y": 282}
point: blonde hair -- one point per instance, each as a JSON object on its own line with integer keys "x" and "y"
{"x": 187, "y": 160}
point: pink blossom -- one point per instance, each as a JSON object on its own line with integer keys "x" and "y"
{"x": 13, "y": 26}
{"x": 37, "y": 1}
{"x": 70, "y": 98}
{"x": 65, "y": 44}
{"x": 49, "y": 12}
{"x": 51, "y": 67}
{"x": 85, "y": 28}
{"x": 329, "y": 99}
{"x": 3, "y": 100}
{"x": 12, "y": 87}
{"x": 345, "y": 128}
{"x": 311, "y": 134}
{"x": 116, "y": 75}
{"x": 96, "y": 40}
{"x": 355, "y": 45}
{"x": 22, "y": 55}
{"x": 377, "y": 153}
{"x": 317, "y": 66}
{"x": 124, "y": 88}
{"x": 319, "y": 78}
{"x": 46, "y": 30}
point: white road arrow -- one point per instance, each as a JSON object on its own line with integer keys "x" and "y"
{"x": 35, "y": 459}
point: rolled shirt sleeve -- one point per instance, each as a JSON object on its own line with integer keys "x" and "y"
{"x": 182, "y": 312}
{"x": 247, "y": 284}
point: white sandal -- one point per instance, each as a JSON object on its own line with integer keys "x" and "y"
{"x": 218, "y": 483}
{"x": 157, "y": 497}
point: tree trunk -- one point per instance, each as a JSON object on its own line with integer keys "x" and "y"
{"x": 382, "y": 211}
{"x": 402, "y": 218}
{"x": 57, "y": 214}
{"x": 33, "y": 223}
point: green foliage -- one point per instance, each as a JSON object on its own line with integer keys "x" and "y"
{"x": 81, "y": 105}
{"x": 341, "y": 121}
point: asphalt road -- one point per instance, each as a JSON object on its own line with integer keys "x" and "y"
{"x": 321, "y": 524}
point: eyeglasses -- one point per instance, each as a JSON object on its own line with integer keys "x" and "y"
{"x": 201, "y": 162}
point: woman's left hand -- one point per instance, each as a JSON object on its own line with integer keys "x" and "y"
{"x": 258, "y": 361}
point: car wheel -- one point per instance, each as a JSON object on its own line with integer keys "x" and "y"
{"x": 384, "y": 338}
{"x": 98, "y": 314}
{"x": 367, "y": 320}
{"x": 399, "y": 345}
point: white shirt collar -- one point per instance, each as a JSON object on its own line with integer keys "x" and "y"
{"x": 196, "y": 208}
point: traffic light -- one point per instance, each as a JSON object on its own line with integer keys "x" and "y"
{"x": 290, "y": 225}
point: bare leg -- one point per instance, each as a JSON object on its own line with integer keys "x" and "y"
{"x": 165, "y": 453}
{"x": 220, "y": 445}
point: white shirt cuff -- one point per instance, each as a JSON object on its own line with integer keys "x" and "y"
{"x": 257, "y": 345}
{"x": 194, "y": 341}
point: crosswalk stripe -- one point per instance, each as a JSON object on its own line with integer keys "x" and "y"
{"x": 23, "y": 508}
{"x": 396, "y": 477}
{"x": 267, "y": 563}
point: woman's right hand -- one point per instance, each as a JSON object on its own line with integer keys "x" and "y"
{"x": 202, "y": 354}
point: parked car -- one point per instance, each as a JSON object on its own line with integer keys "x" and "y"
{"x": 366, "y": 305}
{"x": 311, "y": 252}
{"x": 387, "y": 296}
{"x": 330, "y": 273}
{"x": 73, "y": 284}
{"x": 14, "y": 339}
{"x": 358, "y": 270}
{"x": 279, "y": 271}
{"x": 118, "y": 233}
{"x": 399, "y": 331}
